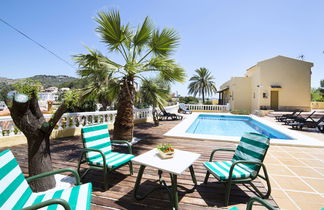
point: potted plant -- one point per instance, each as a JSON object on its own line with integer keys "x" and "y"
{"x": 165, "y": 151}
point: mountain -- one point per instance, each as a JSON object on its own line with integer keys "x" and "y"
{"x": 46, "y": 80}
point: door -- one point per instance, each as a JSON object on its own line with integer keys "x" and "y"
{"x": 274, "y": 100}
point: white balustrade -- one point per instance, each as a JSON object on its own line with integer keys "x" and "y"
{"x": 79, "y": 119}
{"x": 198, "y": 107}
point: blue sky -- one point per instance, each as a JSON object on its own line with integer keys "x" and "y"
{"x": 227, "y": 37}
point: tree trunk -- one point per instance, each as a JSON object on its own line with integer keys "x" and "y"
{"x": 39, "y": 161}
{"x": 28, "y": 117}
{"x": 155, "y": 116}
{"x": 203, "y": 95}
{"x": 124, "y": 124}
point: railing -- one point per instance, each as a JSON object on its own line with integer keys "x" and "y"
{"x": 79, "y": 119}
{"x": 218, "y": 108}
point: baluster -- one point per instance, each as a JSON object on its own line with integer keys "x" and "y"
{"x": 73, "y": 122}
{"x": 11, "y": 129}
{"x": 59, "y": 124}
{"x": 1, "y": 123}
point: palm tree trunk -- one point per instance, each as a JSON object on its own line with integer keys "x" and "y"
{"x": 203, "y": 95}
{"x": 124, "y": 124}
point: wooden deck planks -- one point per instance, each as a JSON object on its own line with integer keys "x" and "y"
{"x": 66, "y": 151}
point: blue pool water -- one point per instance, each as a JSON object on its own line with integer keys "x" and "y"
{"x": 221, "y": 125}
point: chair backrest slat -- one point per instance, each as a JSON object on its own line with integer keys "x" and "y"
{"x": 14, "y": 189}
{"x": 252, "y": 147}
{"x": 96, "y": 137}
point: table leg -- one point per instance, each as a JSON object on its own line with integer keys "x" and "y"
{"x": 193, "y": 176}
{"x": 160, "y": 176}
{"x": 138, "y": 182}
{"x": 175, "y": 198}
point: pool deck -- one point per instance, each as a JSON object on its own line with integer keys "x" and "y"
{"x": 296, "y": 173}
{"x": 66, "y": 151}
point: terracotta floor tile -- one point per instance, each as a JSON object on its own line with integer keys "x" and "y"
{"x": 282, "y": 200}
{"x": 291, "y": 183}
{"x": 317, "y": 184}
{"x": 313, "y": 163}
{"x": 302, "y": 155}
{"x": 319, "y": 170}
{"x": 278, "y": 170}
{"x": 305, "y": 171}
{"x": 282, "y": 156}
{"x": 293, "y": 162}
{"x": 307, "y": 200}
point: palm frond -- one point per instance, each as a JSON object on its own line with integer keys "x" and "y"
{"x": 163, "y": 43}
{"x": 110, "y": 29}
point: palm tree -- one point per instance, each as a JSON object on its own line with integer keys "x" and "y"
{"x": 202, "y": 83}
{"x": 154, "y": 92}
{"x": 101, "y": 84}
{"x": 146, "y": 49}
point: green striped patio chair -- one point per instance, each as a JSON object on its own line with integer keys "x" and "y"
{"x": 253, "y": 200}
{"x": 244, "y": 166}
{"x": 15, "y": 192}
{"x": 98, "y": 154}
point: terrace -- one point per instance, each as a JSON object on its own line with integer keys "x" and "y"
{"x": 296, "y": 174}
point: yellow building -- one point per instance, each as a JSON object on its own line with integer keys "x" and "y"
{"x": 278, "y": 83}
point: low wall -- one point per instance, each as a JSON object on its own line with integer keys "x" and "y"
{"x": 317, "y": 105}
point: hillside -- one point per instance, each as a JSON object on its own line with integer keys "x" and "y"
{"x": 46, "y": 80}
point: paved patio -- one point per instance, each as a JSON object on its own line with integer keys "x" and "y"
{"x": 65, "y": 153}
{"x": 297, "y": 173}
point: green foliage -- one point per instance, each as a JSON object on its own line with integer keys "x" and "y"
{"x": 145, "y": 49}
{"x": 208, "y": 102}
{"x": 28, "y": 87}
{"x": 322, "y": 83}
{"x": 188, "y": 100}
{"x": 72, "y": 98}
{"x": 75, "y": 84}
{"x": 153, "y": 92}
{"x": 202, "y": 83}
{"x": 4, "y": 90}
{"x": 317, "y": 95}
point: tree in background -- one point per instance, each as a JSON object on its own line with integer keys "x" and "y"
{"x": 188, "y": 100}
{"x": 101, "y": 84}
{"x": 202, "y": 84}
{"x": 154, "y": 92}
{"x": 146, "y": 49}
{"x": 318, "y": 93}
{"x": 27, "y": 116}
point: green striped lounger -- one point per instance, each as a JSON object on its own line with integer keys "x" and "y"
{"x": 97, "y": 137}
{"x": 252, "y": 147}
{"x": 15, "y": 192}
{"x": 245, "y": 164}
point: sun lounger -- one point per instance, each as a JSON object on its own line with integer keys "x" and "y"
{"x": 184, "y": 109}
{"x": 309, "y": 124}
{"x": 164, "y": 115}
{"x": 278, "y": 118}
{"x": 299, "y": 119}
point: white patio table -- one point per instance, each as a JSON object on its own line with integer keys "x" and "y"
{"x": 174, "y": 166}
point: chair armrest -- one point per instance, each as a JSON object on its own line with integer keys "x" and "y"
{"x": 49, "y": 173}
{"x": 61, "y": 202}
{"x": 220, "y": 149}
{"x": 261, "y": 201}
{"x": 129, "y": 145}
{"x": 248, "y": 162}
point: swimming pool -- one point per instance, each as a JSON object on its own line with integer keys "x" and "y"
{"x": 232, "y": 127}
{"x": 225, "y": 125}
